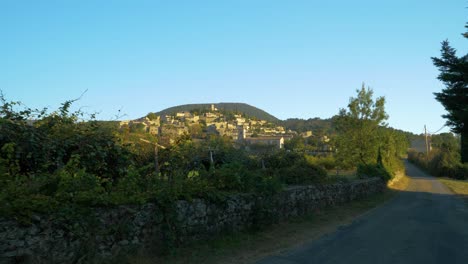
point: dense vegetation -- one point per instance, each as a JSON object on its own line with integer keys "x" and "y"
{"x": 240, "y": 108}
{"x": 444, "y": 158}
{"x": 64, "y": 161}
{"x": 61, "y": 162}
{"x": 316, "y": 125}
{"x": 454, "y": 97}
{"x": 363, "y": 139}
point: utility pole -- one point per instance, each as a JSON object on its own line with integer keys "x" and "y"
{"x": 211, "y": 150}
{"x": 427, "y": 145}
{"x": 156, "y": 162}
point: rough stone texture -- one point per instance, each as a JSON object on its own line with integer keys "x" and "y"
{"x": 114, "y": 230}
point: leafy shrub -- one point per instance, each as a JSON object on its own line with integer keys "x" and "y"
{"x": 20, "y": 196}
{"x": 61, "y": 163}
{"x": 49, "y": 143}
{"x": 77, "y": 186}
{"x": 461, "y": 172}
{"x": 293, "y": 168}
{"x": 302, "y": 173}
{"x": 132, "y": 188}
{"x": 267, "y": 185}
{"x": 328, "y": 162}
{"x": 231, "y": 176}
{"x": 283, "y": 159}
{"x": 373, "y": 170}
{"x": 440, "y": 163}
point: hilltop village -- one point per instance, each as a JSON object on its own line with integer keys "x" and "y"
{"x": 203, "y": 123}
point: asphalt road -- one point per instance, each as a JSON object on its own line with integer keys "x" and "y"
{"x": 426, "y": 224}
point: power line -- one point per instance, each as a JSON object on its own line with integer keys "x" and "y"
{"x": 438, "y": 130}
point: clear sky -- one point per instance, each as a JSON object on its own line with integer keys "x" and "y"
{"x": 291, "y": 58}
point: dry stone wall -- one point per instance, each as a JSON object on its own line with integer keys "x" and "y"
{"x": 108, "y": 232}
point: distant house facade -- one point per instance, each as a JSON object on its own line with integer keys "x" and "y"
{"x": 243, "y": 130}
{"x": 419, "y": 144}
{"x": 277, "y": 141}
{"x": 306, "y": 134}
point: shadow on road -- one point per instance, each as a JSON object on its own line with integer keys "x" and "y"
{"x": 425, "y": 223}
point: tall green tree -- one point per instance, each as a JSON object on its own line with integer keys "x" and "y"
{"x": 358, "y": 138}
{"x": 454, "y": 97}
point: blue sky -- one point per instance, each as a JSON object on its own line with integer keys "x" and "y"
{"x": 291, "y": 58}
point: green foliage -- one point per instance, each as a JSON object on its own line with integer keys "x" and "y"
{"x": 327, "y": 162}
{"x": 316, "y": 125}
{"x": 364, "y": 141}
{"x": 447, "y": 142}
{"x": 48, "y": 143}
{"x": 461, "y": 171}
{"x": 440, "y": 163}
{"x": 297, "y": 143}
{"x": 304, "y": 173}
{"x": 137, "y": 128}
{"x": 294, "y": 168}
{"x": 393, "y": 147}
{"x": 61, "y": 163}
{"x": 373, "y": 170}
{"x": 358, "y": 138}
{"x": 444, "y": 158}
{"x": 454, "y": 75}
{"x": 152, "y": 116}
{"x": 21, "y": 196}
{"x": 80, "y": 187}
{"x": 9, "y": 165}
{"x": 133, "y": 187}
{"x": 232, "y": 176}
{"x": 454, "y": 97}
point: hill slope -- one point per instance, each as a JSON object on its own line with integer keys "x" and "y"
{"x": 316, "y": 125}
{"x": 242, "y": 108}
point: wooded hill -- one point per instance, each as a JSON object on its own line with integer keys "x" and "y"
{"x": 241, "y": 108}
{"x": 296, "y": 124}
{"x": 316, "y": 125}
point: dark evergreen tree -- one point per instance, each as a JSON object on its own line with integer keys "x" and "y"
{"x": 454, "y": 97}
{"x": 466, "y": 33}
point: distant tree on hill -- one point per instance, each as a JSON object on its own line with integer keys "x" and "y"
{"x": 316, "y": 125}
{"x": 196, "y": 131}
{"x": 137, "y": 128}
{"x": 454, "y": 97}
{"x": 152, "y": 116}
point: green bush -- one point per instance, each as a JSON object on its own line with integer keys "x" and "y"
{"x": 78, "y": 186}
{"x": 267, "y": 185}
{"x": 61, "y": 163}
{"x": 230, "y": 177}
{"x": 294, "y": 168}
{"x": 283, "y": 159}
{"x": 302, "y": 173}
{"x": 373, "y": 170}
{"x": 461, "y": 172}
{"x": 440, "y": 163}
{"x": 50, "y": 142}
{"x": 328, "y": 162}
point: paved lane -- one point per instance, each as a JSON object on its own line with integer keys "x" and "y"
{"x": 424, "y": 224}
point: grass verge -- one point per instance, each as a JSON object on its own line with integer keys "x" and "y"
{"x": 248, "y": 247}
{"x": 399, "y": 182}
{"x": 457, "y": 186}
